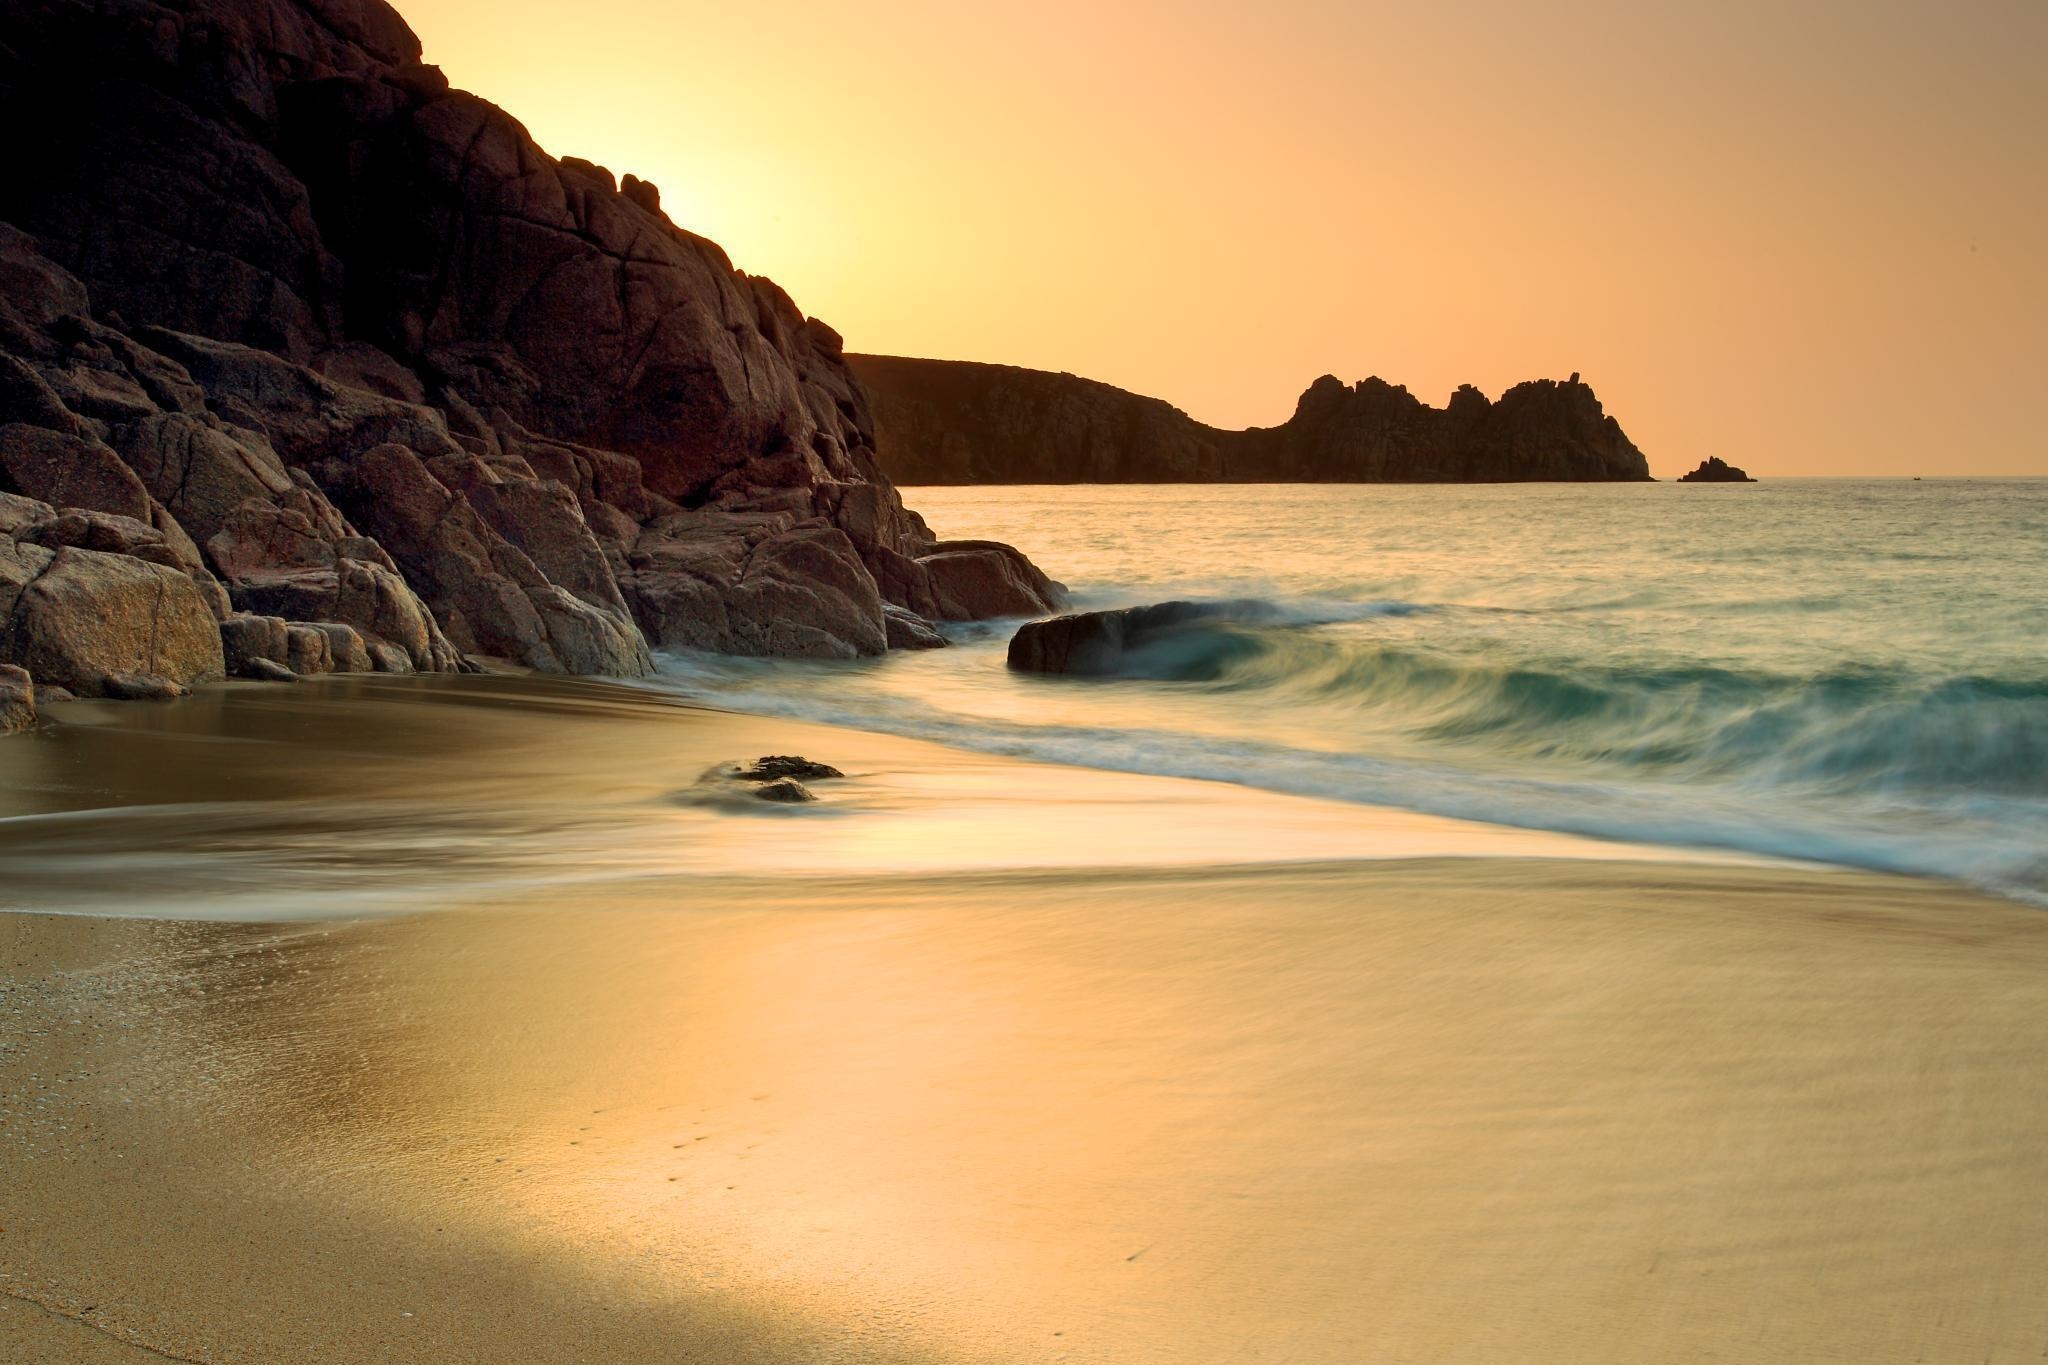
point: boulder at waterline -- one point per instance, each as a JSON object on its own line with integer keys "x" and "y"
{"x": 17, "y": 700}
{"x": 1098, "y": 643}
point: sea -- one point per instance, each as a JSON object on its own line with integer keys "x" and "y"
{"x": 1850, "y": 672}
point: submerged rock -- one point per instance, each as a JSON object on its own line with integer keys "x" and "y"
{"x": 777, "y": 778}
{"x": 775, "y": 767}
{"x": 785, "y": 791}
{"x": 1096, "y": 643}
{"x": 1714, "y": 469}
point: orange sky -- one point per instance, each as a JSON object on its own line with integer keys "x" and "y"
{"x": 1807, "y": 236}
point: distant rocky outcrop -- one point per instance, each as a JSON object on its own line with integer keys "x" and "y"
{"x": 309, "y": 361}
{"x": 955, "y": 422}
{"x": 959, "y": 422}
{"x": 1714, "y": 469}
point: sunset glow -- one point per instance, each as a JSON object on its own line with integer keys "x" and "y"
{"x": 1805, "y": 240}
{"x": 1089, "y": 683}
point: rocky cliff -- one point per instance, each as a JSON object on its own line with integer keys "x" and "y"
{"x": 941, "y": 421}
{"x": 955, "y": 421}
{"x": 310, "y": 361}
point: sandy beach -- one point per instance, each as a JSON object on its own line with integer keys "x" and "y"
{"x": 1240, "y": 684}
{"x": 1437, "y": 1101}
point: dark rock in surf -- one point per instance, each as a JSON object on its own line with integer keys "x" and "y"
{"x": 785, "y": 791}
{"x": 776, "y": 767}
{"x": 1097, "y": 643}
{"x": 1714, "y": 469}
{"x": 777, "y": 778}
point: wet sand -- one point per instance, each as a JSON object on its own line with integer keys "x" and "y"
{"x": 1535, "y": 1105}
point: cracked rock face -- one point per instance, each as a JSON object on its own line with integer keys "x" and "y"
{"x": 90, "y": 621}
{"x": 363, "y": 357}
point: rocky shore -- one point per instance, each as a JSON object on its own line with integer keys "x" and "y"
{"x": 954, "y": 422}
{"x": 309, "y": 363}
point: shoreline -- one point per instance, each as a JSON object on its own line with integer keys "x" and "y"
{"x": 1432, "y": 1106}
{"x": 364, "y": 794}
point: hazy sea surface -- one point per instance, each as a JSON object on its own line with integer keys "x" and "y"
{"x": 1846, "y": 671}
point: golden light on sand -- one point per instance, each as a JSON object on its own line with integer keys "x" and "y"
{"x": 1424, "y": 1110}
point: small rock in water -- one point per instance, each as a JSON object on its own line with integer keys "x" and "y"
{"x": 776, "y": 777}
{"x": 141, "y": 687}
{"x": 776, "y": 766}
{"x": 786, "y": 790}
{"x": 268, "y": 670}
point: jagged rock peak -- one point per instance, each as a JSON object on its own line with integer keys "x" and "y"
{"x": 951, "y": 422}
{"x": 1714, "y": 469}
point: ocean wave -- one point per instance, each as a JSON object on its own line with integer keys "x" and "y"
{"x": 1861, "y": 769}
{"x": 1847, "y": 672}
{"x": 1844, "y": 730}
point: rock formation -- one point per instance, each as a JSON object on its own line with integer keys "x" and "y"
{"x": 775, "y": 767}
{"x": 957, "y": 422}
{"x": 776, "y": 778}
{"x": 308, "y": 361}
{"x": 17, "y": 699}
{"x": 1714, "y": 469}
{"x": 1098, "y": 643}
{"x": 951, "y": 422}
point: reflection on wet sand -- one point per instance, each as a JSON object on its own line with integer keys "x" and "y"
{"x": 1425, "y": 1111}
{"x": 1464, "y": 1109}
